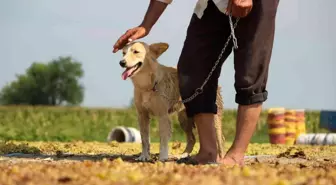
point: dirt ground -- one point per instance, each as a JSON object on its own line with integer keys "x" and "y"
{"x": 113, "y": 163}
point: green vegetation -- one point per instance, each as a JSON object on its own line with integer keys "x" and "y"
{"x": 41, "y": 123}
{"x": 53, "y": 83}
{"x": 46, "y": 86}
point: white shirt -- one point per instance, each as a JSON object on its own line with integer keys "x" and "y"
{"x": 202, "y": 4}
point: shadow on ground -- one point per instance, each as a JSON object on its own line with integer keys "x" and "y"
{"x": 79, "y": 157}
{"x": 12, "y": 153}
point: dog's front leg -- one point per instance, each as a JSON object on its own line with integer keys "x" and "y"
{"x": 165, "y": 134}
{"x": 143, "y": 118}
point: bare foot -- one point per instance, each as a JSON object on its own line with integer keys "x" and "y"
{"x": 231, "y": 160}
{"x": 202, "y": 158}
{"x": 199, "y": 159}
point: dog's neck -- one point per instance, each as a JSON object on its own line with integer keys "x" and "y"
{"x": 147, "y": 81}
{"x": 144, "y": 82}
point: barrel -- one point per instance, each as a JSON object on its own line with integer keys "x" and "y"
{"x": 328, "y": 120}
{"x": 124, "y": 134}
{"x": 300, "y": 122}
{"x": 276, "y": 127}
{"x": 290, "y": 124}
{"x": 317, "y": 139}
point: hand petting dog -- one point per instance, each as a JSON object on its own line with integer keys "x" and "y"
{"x": 129, "y": 36}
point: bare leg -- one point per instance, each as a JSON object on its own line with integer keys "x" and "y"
{"x": 247, "y": 119}
{"x": 218, "y": 124}
{"x": 207, "y": 138}
{"x": 219, "y": 135}
{"x": 251, "y": 73}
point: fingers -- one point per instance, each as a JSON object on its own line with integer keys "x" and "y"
{"x": 123, "y": 40}
{"x": 229, "y": 8}
{"x": 239, "y": 12}
{"x": 241, "y": 9}
{"x": 129, "y": 36}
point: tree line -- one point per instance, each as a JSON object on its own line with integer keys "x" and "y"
{"x": 54, "y": 83}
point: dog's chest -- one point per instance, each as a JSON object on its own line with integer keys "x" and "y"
{"x": 157, "y": 105}
{"x": 154, "y": 103}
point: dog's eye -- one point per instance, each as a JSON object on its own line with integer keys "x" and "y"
{"x": 124, "y": 53}
{"x": 135, "y": 51}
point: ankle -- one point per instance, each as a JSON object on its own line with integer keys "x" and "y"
{"x": 206, "y": 156}
{"x": 210, "y": 151}
{"x": 237, "y": 149}
{"x": 207, "y": 134}
{"x": 235, "y": 153}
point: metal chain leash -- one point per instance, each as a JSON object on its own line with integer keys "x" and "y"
{"x": 200, "y": 89}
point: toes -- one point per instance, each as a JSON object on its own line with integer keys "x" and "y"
{"x": 163, "y": 158}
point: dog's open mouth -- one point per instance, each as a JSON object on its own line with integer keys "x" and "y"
{"x": 130, "y": 71}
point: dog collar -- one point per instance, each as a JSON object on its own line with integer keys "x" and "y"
{"x": 154, "y": 87}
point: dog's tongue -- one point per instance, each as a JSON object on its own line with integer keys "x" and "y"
{"x": 126, "y": 73}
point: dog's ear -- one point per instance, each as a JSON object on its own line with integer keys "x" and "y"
{"x": 158, "y": 48}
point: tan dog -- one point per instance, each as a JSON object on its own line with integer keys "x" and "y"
{"x": 156, "y": 93}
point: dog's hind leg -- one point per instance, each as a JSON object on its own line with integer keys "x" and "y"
{"x": 218, "y": 124}
{"x": 165, "y": 134}
{"x": 143, "y": 119}
{"x": 187, "y": 125}
{"x": 219, "y": 136}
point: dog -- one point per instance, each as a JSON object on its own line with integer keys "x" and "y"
{"x": 156, "y": 93}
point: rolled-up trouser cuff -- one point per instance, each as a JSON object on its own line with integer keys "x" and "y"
{"x": 242, "y": 99}
{"x": 193, "y": 109}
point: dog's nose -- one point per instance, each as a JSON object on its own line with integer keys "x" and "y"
{"x": 122, "y": 63}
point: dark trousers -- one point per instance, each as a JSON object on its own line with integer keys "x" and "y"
{"x": 204, "y": 41}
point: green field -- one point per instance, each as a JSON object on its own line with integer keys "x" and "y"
{"x": 50, "y": 145}
{"x": 90, "y": 124}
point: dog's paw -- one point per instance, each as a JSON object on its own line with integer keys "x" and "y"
{"x": 163, "y": 158}
{"x": 184, "y": 155}
{"x": 143, "y": 158}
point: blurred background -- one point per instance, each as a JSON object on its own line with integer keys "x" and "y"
{"x": 60, "y": 53}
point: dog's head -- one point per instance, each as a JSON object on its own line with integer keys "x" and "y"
{"x": 139, "y": 56}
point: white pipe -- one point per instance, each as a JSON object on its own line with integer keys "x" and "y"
{"x": 124, "y": 134}
{"x": 317, "y": 139}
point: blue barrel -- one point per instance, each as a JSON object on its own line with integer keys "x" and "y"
{"x": 328, "y": 120}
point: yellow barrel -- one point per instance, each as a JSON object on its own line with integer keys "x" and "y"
{"x": 300, "y": 122}
{"x": 290, "y": 124}
{"x": 276, "y": 127}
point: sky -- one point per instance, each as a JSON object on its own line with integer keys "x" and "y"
{"x": 302, "y": 66}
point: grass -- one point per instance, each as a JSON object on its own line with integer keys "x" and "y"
{"x": 93, "y": 124}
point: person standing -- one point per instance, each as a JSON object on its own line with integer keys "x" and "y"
{"x": 207, "y": 33}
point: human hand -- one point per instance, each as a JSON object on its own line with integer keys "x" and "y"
{"x": 130, "y": 35}
{"x": 239, "y": 8}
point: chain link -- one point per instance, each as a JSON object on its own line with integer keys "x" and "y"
{"x": 200, "y": 89}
